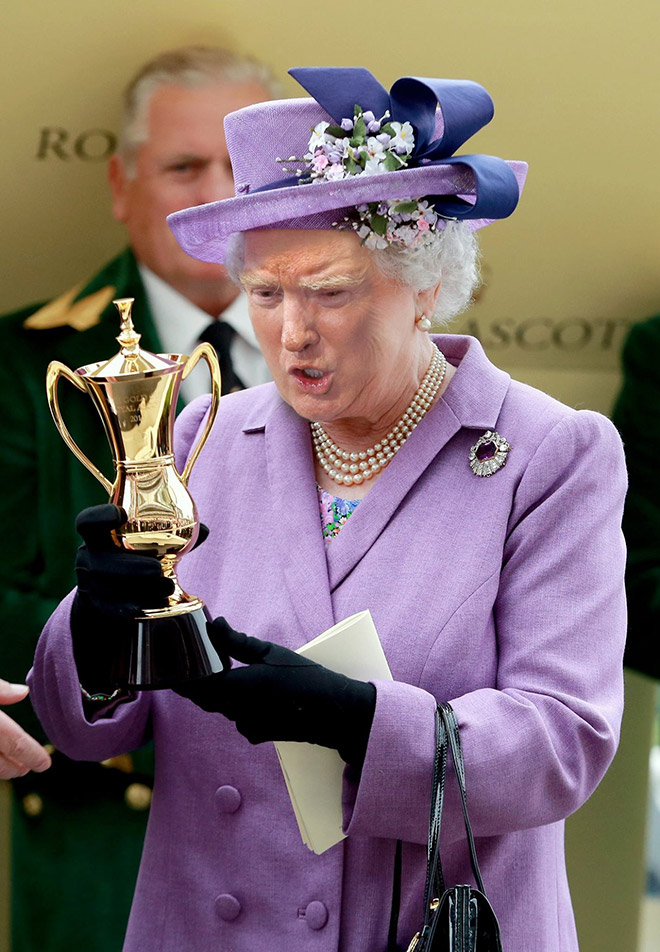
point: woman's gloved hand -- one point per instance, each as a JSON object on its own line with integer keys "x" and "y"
{"x": 280, "y": 695}
{"x": 113, "y": 582}
{"x": 113, "y": 586}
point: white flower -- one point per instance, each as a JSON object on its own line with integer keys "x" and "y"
{"x": 374, "y": 165}
{"x": 318, "y": 136}
{"x": 334, "y": 173}
{"x": 343, "y": 147}
{"x": 406, "y": 235}
{"x": 375, "y": 154}
{"x": 374, "y": 147}
{"x": 375, "y": 242}
{"x": 404, "y": 140}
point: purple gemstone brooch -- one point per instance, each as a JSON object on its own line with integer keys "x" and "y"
{"x": 488, "y": 454}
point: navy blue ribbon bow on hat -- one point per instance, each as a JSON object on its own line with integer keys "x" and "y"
{"x": 466, "y": 107}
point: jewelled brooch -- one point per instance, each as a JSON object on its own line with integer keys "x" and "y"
{"x": 488, "y": 454}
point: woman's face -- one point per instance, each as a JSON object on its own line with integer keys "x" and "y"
{"x": 339, "y": 337}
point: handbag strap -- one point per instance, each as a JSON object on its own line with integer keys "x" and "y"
{"x": 446, "y": 735}
{"x": 451, "y": 726}
{"x": 435, "y": 881}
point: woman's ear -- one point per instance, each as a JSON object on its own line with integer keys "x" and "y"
{"x": 426, "y": 301}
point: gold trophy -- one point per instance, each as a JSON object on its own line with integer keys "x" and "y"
{"x": 135, "y": 393}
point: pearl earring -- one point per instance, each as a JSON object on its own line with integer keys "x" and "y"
{"x": 423, "y": 323}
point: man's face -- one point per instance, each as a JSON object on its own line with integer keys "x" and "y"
{"x": 184, "y": 162}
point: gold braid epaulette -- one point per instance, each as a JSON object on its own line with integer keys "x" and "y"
{"x": 66, "y": 311}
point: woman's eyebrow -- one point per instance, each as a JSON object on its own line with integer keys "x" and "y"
{"x": 256, "y": 279}
{"x": 331, "y": 282}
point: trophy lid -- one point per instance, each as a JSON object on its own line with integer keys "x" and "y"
{"x": 131, "y": 359}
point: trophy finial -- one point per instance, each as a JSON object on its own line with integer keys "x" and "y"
{"x": 131, "y": 359}
{"x": 128, "y": 337}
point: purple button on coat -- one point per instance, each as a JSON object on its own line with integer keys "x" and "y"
{"x": 503, "y": 596}
{"x": 316, "y": 914}
{"x": 228, "y": 907}
{"x": 228, "y": 799}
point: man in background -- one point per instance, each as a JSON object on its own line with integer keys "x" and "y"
{"x": 77, "y": 829}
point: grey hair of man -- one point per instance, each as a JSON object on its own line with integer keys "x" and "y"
{"x": 187, "y": 66}
{"x": 451, "y": 259}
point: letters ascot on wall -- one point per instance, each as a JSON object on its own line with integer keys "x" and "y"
{"x": 572, "y": 341}
{"x": 90, "y": 145}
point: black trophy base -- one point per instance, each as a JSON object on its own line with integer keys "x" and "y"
{"x": 170, "y": 649}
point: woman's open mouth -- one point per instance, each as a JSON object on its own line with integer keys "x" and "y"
{"x": 311, "y": 379}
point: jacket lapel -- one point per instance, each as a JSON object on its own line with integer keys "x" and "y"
{"x": 385, "y": 497}
{"x": 473, "y": 399}
{"x": 296, "y": 518}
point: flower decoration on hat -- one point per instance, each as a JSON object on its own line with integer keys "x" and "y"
{"x": 366, "y": 145}
{"x": 410, "y": 222}
{"x": 361, "y": 145}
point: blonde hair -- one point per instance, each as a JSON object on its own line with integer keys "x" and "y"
{"x": 452, "y": 259}
{"x": 189, "y": 66}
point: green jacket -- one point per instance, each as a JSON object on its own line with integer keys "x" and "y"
{"x": 76, "y": 843}
{"x": 637, "y": 417}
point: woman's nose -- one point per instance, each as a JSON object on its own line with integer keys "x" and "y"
{"x": 297, "y": 328}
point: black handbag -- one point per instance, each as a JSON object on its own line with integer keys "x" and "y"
{"x": 456, "y": 918}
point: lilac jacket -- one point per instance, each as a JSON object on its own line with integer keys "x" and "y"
{"x": 503, "y": 595}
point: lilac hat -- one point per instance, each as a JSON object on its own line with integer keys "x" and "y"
{"x": 367, "y": 146}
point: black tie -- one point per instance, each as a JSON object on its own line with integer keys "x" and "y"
{"x": 220, "y": 334}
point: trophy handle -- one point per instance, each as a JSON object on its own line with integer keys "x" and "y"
{"x": 56, "y": 369}
{"x": 203, "y": 352}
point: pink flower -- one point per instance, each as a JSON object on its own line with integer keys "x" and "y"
{"x": 334, "y": 173}
{"x": 422, "y": 224}
{"x": 320, "y": 161}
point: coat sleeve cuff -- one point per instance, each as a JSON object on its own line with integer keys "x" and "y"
{"x": 57, "y": 699}
{"x": 391, "y": 796}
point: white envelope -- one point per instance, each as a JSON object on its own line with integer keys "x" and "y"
{"x": 314, "y": 774}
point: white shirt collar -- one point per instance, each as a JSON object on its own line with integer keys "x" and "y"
{"x": 178, "y": 321}
{"x": 179, "y": 324}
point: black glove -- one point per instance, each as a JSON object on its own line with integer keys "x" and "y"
{"x": 113, "y": 582}
{"x": 113, "y": 586}
{"x": 281, "y": 695}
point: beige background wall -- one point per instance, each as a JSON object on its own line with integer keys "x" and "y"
{"x": 576, "y": 88}
{"x": 575, "y": 85}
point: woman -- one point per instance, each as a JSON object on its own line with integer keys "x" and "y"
{"x": 502, "y": 595}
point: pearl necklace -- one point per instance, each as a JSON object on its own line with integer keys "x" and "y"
{"x": 348, "y": 468}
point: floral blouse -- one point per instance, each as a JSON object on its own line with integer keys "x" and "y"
{"x": 335, "y": 511}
